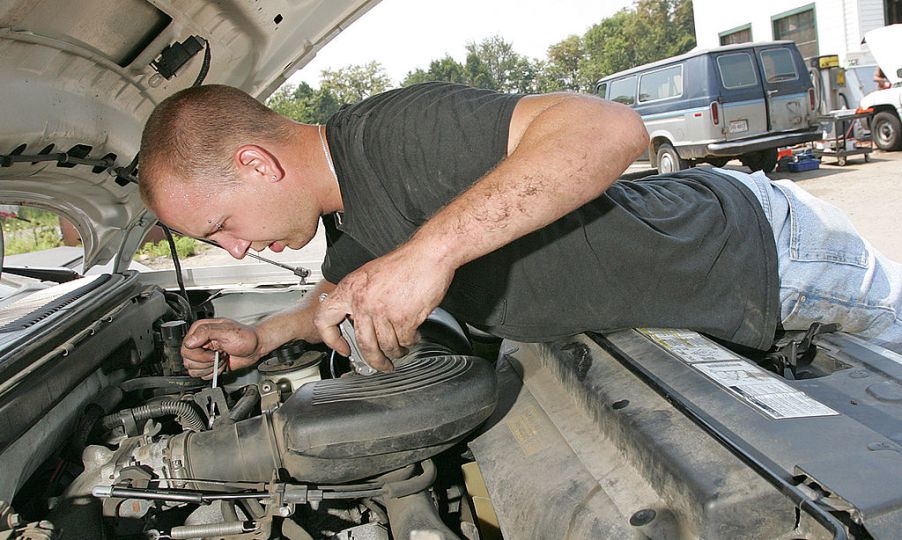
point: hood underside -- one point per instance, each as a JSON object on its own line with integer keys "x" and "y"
{"x": 79, "y": 79}
{"x": 884, "y": 45}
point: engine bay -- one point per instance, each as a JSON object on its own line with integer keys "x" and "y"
{"x": 301, "y": 447}
{"x": 645, "y": 433}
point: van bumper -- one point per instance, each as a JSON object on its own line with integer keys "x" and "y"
{"x": 742, "y": 146}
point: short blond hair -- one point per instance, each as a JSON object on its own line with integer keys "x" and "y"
{"x": 191, "y": 136}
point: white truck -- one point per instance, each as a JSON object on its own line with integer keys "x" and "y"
{"x": 886, "y": 126}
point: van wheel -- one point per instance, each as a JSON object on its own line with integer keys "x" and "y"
{"x": 669, "y": 161}
{"x": 887, "y": 131}
{"x": 763, "y": 160}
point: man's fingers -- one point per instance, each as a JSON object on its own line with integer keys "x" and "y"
{"x": 200, "y": 333}
{"x": 329, "y": 315}
{"x": 388, "y": 340}
{"x": 368, "y": 344}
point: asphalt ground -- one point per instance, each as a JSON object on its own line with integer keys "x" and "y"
{"x": 869, "y": 192}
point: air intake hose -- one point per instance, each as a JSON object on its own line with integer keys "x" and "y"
{"x": 344, "y": 429}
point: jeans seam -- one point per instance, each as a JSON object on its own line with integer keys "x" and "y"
{"x": 845, "y": 302}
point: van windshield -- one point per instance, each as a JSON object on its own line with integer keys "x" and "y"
{"x": 778, "y": 65}
{"x": 736, "y": 70}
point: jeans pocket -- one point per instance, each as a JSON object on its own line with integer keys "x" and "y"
{"x": 820, "y": 232}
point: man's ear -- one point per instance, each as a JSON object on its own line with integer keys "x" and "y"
{"x": 258, "y": 163}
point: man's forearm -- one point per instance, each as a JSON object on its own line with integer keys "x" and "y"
{"x": 569, "y": 154}
{"x": 292, "y": 323}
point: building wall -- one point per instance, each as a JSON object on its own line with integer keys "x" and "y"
{"x": 841, "y": 24}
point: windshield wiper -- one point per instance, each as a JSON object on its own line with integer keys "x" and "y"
{"x": 57, "y": 275}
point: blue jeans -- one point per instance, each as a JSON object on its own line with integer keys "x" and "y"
{"x": 828, "y": 272}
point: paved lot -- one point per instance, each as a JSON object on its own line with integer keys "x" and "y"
{"x": 871, "y": 193}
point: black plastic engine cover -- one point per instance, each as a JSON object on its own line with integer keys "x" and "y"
{"x": 348, "y": 428}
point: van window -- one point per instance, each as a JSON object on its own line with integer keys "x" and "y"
{"x": 624, "y": 91}
{"x": 736, "y": 70}
{"x": 662, "y": 84}
{"x": 778, "y": 65}
{"x": 601, "y": 89}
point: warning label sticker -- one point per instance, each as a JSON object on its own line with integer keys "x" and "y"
{"x": 748, "y": 382}
{"x": 690, "y": 347}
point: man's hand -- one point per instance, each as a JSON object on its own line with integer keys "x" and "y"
{"x": 239, "y": 341}
{"x": 387, "y": 298}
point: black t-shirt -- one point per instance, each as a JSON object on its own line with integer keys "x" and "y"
{"x": 685, "y": 250}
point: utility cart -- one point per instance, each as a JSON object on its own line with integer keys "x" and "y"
{"x": 850, "y": 136}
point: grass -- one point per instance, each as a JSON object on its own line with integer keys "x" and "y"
{"x": 184, "y": 247}
{"x": 40, "y": 229}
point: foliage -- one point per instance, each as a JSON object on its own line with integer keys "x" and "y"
{"x": 493, "y": 63}
{"x": 184, "y": 246}
{"x": 35, "y": 231}
{"x": 444, "y": 69}
{"x": 353, "y": 83}
{"x": 562, "y": 70}
{"x": 650, "y": 30}
{"x": 304, "y": 104}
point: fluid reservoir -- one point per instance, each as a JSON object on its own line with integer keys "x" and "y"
{"x": 292, "y": 364}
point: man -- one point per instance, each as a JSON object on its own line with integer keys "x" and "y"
{"x": 504, "y": 210}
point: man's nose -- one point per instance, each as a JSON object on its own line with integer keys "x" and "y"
{"x": 236, "y": 248}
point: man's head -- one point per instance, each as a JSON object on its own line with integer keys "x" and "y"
{"x": 191, "y": 137}
{"x": 216, "y": 163}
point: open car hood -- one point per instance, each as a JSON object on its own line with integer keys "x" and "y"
{"x": 78, "y": 80}
{"x": 884, "y": 45}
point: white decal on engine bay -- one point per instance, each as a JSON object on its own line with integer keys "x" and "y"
{"x": 745, "y": 380}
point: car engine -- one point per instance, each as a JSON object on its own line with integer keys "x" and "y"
{"x": 118, "y": 441}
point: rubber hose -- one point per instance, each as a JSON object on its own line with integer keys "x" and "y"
{"x": 181, "y": 409}
{"x": 244, "y": 406}
{"x": 413, "y": 485}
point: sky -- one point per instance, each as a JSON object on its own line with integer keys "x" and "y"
{"x": 404, "y": 35}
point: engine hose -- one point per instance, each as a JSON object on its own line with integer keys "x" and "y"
{"x": 244, "y": 406}
{"x": 181, "y": 409}
{"x": 376, "y": 510}
{"x": 403, "y": 488}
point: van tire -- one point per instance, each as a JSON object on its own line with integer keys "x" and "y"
{"x": 669, "y": 160}
{"x": 763, "y": 160}
{"x": 886, "y": 130}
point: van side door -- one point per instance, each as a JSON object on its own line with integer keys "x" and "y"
{"x": 786, "y": 84}
{"x": 742, "y": 103}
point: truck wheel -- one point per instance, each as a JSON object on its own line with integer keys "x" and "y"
{"x": 669, "y": 161}
{"x": 886, "y": 130}
{"x": 763, "y": 160}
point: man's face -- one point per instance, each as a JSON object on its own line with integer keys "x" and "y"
{"x": 238, "y": 217}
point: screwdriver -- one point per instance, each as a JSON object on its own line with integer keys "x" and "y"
{"x": 212, "y": 414}
{"x": 299, "y": 271}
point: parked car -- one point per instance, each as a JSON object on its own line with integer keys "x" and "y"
{"x": 738, "y": 101}
{"x": 627, "y": 434}
{"x": 886, "y": 125}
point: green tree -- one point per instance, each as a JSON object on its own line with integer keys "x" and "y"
{"x": 304, "y": 104}
{"x": 444, "y": 69}
{"x": 652, "y": 30}
{"x": 353, "y": 83}
{"x": 493, "y": 63}
{"x": 562, "y": 69}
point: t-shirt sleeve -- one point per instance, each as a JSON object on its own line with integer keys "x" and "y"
{"x": 343, "y": 253}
